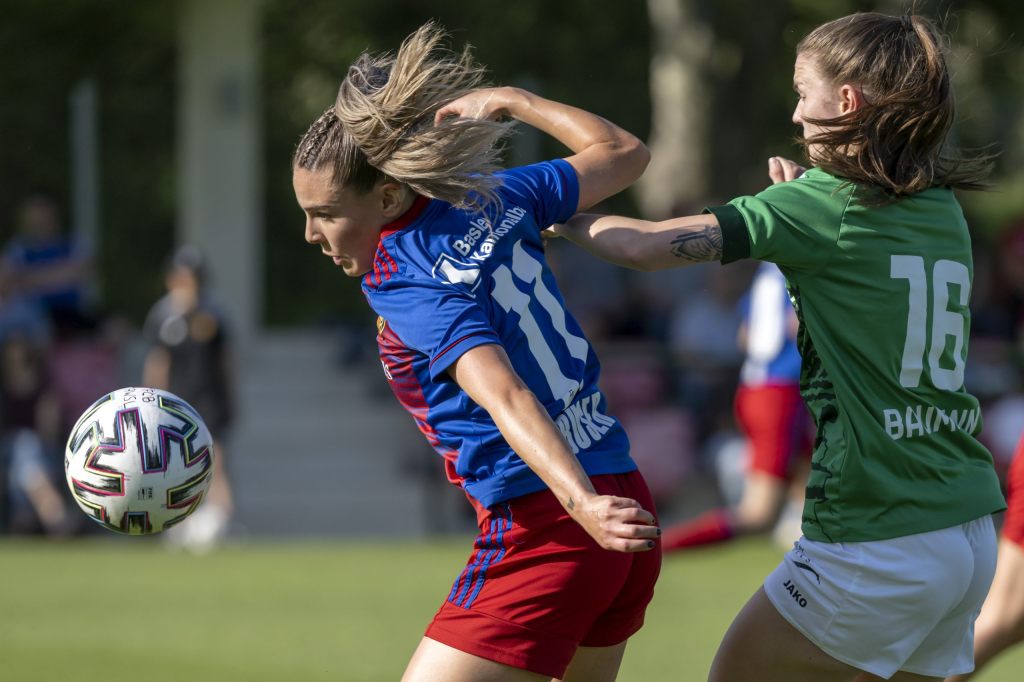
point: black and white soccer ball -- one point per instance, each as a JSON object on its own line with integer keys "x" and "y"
{"x": 139, "y": 460}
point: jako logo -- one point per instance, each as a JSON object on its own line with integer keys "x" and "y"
{"x": 795, "y": 594}
{"x": 456, "y": 272}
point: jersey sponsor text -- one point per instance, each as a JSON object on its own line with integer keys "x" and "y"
{"x": 481, "y": 227}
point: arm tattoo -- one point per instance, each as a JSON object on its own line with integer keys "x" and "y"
{"x": 704, "y": 243}
{"x": 570, "y": 505}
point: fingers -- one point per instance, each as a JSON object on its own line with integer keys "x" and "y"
{"x": 783, "y": 170}
{"x": 444, "y": 112}
{"x": 636, "y": 514}
{"x": 475, "y": 105}
{"x": 625, "y": 526}
{"x": 630, "y": 537}
{"x": 628, "y": 511}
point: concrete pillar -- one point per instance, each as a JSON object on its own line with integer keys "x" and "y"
{"x": 220, "y": 159}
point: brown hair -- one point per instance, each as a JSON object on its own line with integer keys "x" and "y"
{"x": 382, "y": 125}
{"x": 896, "y": 144}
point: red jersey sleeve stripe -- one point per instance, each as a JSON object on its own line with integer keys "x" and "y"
{"x": 452, "y": 345}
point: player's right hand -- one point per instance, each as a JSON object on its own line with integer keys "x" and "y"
{"x": 618, "y": 524}
{"x": 784, "y": 170}
{"x": 490, "y": 104}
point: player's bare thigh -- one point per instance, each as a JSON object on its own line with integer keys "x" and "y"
{"x": 761, "y": 645}
{"x": 595, "y": 664}
{"x": 436, "y": 662}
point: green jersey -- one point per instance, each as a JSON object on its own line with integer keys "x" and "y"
{"x": 882, "y": 297}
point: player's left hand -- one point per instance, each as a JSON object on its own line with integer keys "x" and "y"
{"x": 484, "y": 104}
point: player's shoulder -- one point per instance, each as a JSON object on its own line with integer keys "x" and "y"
{"x": 434, "y": 252}
{"x": 547, "y": 167}
{"x": 813, "y": 183}
{"x": 525, "y": 179}
{"x": 814, "y": 197}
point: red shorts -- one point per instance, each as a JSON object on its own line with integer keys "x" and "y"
{"x": 777, "y": 424}
{"x": 1013, "y": 522}
{"x": 537, "y": 586}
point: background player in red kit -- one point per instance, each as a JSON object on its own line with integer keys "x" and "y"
{"x": 771, "y": 414}
{"x": 400, "y": 187}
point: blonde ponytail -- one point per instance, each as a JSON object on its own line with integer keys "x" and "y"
{"x": 383, "y": 119}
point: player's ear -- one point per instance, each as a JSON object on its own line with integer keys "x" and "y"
{"x": 392, "y": 198}
{"x": 851, "y": 98}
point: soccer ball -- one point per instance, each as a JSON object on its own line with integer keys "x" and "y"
{"x": 139, "y": 460}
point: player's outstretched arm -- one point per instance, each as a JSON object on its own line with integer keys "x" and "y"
{"x": 615, "y": 523}
{"x": 647, "y": 245}
{"x": 643, "y": 244}
{"x": 607, "y": 159}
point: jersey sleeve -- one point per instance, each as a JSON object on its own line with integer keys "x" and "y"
{"x": 550, "y": 190}
{"x": 794, "y": 224}
{"x": 434, "y": 318}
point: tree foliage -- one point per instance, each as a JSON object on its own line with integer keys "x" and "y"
{"x": 594, "y": 55}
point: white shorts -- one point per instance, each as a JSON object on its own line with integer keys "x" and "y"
{"x": 908, "y": 603}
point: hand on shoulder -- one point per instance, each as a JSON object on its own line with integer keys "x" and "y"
{"x": 783, "y": 170}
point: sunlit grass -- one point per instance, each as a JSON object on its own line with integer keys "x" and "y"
{"x": 113, "y": 611}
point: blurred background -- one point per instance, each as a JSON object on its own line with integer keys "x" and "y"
{"x": 149, "y": 235}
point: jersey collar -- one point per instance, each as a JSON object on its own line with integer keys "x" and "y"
{"x": 406, "y": 219}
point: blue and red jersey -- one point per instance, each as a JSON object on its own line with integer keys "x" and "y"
{"x": 771, "y": 354}
{"x": 446, "y": 280}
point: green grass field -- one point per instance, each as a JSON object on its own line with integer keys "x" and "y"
{"x": 112, "y": 611}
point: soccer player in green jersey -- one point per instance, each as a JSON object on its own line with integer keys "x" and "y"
{"x": 898, "y": 546}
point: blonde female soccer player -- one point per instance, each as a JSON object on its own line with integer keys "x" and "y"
{"x": 400, "y": 186}
{"x": 898, "y": 547}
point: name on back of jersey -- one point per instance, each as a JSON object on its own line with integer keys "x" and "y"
{"x": 920, "y": 420}
{"x": 582, "y": 424}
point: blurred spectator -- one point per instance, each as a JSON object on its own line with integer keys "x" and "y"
{"x": 996, "y": 373}
{"x": 190, "y": 357}
{"x": 30, "y": 443}
{"x": 84, "y": 363}
{"x": 43, "y": 265}
{"x": 635, "y": 378}
{"x": 702, "y": 340}
{"x": 1011, "y": 275}
{"x": 19, "y": 317}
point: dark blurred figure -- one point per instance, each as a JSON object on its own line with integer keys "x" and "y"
{"x": 190, "y": 356}
{"x": 996, "y": 374}
{"x": 30, "y": 443}
{"x": 43, "y": 265}
{"x": 702, "y": 340}
{"x": 636, "y": 378}
{"x": 1011, "y": 271}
